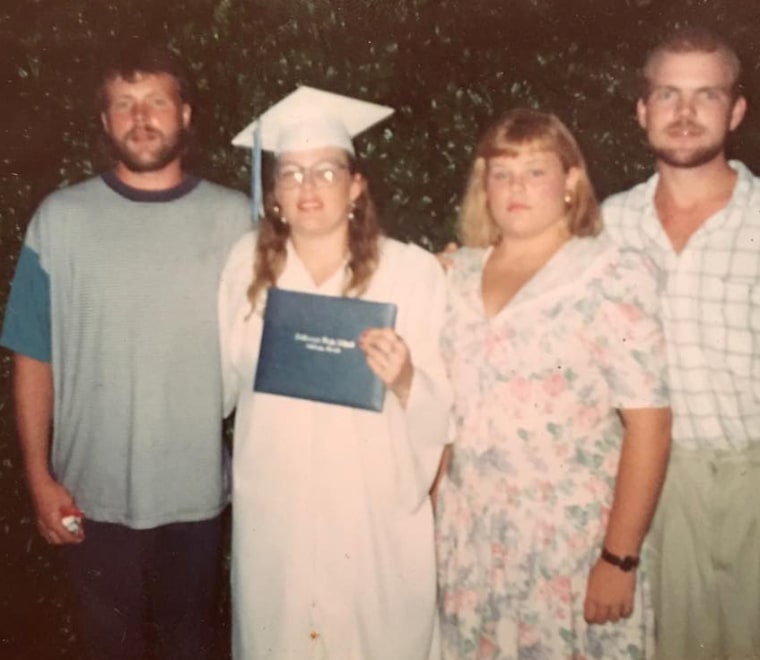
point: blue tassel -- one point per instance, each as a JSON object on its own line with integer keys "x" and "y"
{"x": 257, "y": 202}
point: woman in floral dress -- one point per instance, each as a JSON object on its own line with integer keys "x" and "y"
{"x": 562, "y": 429}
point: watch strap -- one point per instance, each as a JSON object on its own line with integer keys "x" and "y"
{"x": 626, "y": 564}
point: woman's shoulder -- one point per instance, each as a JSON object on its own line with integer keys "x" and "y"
{"x": 465, "y": 262}
{"x": 623, "y": 275}
{"x": 465, "y": 254}
{"x": 242, "y": 252}
{"x": 599, "y": 253}
{"x": 397, "y": 254}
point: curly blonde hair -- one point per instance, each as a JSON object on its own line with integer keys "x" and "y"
{"x": 520, "y": 128}
{"x": 363, "y": 244}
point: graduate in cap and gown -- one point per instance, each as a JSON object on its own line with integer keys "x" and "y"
{"x": 333, "y": 551}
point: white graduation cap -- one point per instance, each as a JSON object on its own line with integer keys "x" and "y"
{"x": 308, "y": 118}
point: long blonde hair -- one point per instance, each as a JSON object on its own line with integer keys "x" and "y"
{"x": 519, "y": 128}
{"x": 363, "y": 244}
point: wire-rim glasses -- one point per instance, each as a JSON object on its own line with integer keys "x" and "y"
{"x": 321, "y": 175}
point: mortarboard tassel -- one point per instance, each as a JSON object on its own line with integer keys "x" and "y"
{"x": 257, "y": 203}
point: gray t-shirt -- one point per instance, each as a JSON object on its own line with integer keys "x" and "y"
{"x": 117, "y": 288}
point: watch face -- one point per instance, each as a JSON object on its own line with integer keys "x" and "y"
{"x": 628, "y": 563}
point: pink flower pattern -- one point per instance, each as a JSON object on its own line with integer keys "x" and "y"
{"x": 522, "y": 511}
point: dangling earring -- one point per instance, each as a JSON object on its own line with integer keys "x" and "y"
{"x": 351, "y": 212}
{"x": 281, "y": 218}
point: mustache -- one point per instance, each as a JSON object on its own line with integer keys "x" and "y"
{"x": 142, "y": 130}
{"x": 685, "y": 125}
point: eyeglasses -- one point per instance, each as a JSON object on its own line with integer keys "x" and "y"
{"x": 321, "y": 175}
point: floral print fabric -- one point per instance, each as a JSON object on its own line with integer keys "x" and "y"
{"x": 523, "y": 509}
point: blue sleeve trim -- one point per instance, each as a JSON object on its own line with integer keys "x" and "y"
{"x": 26, "y": 328}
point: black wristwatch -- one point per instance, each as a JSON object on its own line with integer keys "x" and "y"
{"x": 627, "y": 563}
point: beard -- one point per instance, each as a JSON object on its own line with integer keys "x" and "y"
{"x": 686, "y": 157}
{"x": 171, "y": 147}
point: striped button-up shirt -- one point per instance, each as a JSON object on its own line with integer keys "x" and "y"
{"x": 711, "y": 311}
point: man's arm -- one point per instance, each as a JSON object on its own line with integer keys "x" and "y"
{"x": 33, "y": 398}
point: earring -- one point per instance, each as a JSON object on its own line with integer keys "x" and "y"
{"x": 276, "y": 211}
{"x": 351, "y": 210}
{"x": 568, "y": 198}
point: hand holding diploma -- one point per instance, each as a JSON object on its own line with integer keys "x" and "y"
{"x": 388, "y": 357}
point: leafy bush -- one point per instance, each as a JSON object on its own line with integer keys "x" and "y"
{"x": 448, "y": 66}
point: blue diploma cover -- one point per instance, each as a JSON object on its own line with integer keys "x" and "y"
{"x": 310, "y": 348}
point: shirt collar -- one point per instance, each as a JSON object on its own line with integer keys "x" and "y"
{"x": 739, "y": 196}
{"x": 187, "y": 185}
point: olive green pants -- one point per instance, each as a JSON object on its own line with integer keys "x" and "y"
{"x": 704, "y": 554}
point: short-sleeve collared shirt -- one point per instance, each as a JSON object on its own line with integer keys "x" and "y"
{"x": 711, "y": 311}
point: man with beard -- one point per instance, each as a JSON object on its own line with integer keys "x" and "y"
{"x": 112, "y": 321}
{"x": 698, "y": 217}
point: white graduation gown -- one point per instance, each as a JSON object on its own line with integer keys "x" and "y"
{"x": 333, "y": 554}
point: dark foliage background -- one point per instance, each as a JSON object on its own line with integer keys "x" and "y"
{"x": 448, "y": 66}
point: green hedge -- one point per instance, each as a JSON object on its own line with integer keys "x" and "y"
{"x": 448, "y": 66}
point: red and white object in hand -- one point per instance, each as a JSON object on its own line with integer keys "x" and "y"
{"x": 72, "y": 519}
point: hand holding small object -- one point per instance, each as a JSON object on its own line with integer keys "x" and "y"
{"x": 73, "y": 520}
{"x": 53, "y": 503}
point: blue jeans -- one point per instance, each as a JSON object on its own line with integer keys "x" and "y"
{"x": 129, "y": 580}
